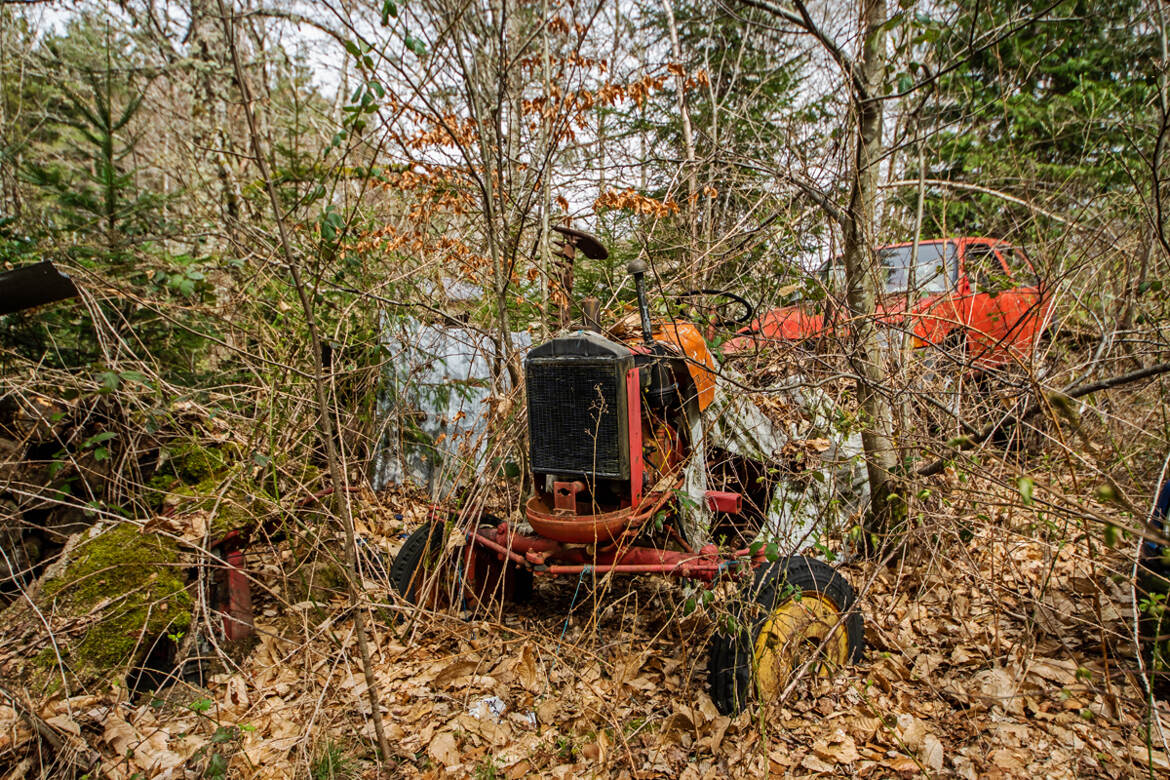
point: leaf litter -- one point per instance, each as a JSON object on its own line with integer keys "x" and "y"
{"x": 980, "y": 663}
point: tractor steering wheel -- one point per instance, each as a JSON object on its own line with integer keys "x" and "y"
{"x": 731, "y": 310}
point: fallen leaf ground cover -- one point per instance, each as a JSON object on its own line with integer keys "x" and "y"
{"x": 993, "y": 652}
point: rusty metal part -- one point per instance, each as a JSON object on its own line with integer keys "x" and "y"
{"x": 561, "y": 287}
{"x": 588, "y": 243}
{"x": 590, "y": 529}
{"x": 565, "y": 496}
{"x": 662, "y": 447}
{"x": 672, "y": 531}
{"x": 591, "y": 313}
{"x": 581, "y": 529}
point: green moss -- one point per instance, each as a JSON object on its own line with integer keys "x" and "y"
{"x": 46, "y": 659}
{"x": 132, "y": 585}
{"x": 319, "y": 581}
{"x": 190, "y": 469}
{"x": 235, "y": 510}
{"x": 194, "y": 463}
{"x": 246, "y": 500}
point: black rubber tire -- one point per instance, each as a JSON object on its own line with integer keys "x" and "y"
{"x": 426, "y": 542}
{"x": 1153, "y": 584}
{"x": 424, "y": 539}
{"x": 730, "y": 664}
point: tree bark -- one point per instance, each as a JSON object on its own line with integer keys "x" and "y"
{"x": 864, "y": 76}
{"x": 861, "y": 275}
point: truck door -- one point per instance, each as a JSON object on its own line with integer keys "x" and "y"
{"x": 998, "y": 330}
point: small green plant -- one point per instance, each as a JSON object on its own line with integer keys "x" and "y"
{"x": 564, "y": 747}
{"x": 685, "y": 501}
{"x": 223, "y": 743}
{"x": 729, "y": 624}
{"x": 332, "y": 764}
{"x": 771, "y": 550}
{"x": 217, "y": 752}
{"x": 1153, "y": 606}
{"x": 217, "y": 767}
{"x": 486, "y": 769}
{"x": 697, "y": 596}
{"x": 789, "y": 591}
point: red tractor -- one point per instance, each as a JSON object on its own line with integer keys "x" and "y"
{"x": 616, "y": 446}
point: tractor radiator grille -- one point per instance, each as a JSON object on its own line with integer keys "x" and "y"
{"x": 577, "y": 418}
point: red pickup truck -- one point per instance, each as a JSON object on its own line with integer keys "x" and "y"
{"x": 979, "y": 293}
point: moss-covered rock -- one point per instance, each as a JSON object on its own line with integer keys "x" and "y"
{"x": 234, "y": 510}
{"x": 192, "y": 462}
{"x": 117, "y": 593}
{"x": 319, "y": 581}
{"x": 213, "y": 479}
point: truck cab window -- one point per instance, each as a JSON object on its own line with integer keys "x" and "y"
{"x": 1019, "y": 264}
{"x": 933, "y": 271}
{"x": 985, "y": 270}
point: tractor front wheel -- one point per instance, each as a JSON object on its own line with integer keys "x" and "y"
{"x": 416, "y": 572}
{"x": 422, "y": 573}
{"x": 796, "y": 611}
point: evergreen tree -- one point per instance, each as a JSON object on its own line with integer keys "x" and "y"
{"x": 88, "y": 185}
{"x": 1044, "y": 105}
{"x": 742, "y": 83}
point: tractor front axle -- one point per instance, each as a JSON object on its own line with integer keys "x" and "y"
{"x": 548, "y": 557}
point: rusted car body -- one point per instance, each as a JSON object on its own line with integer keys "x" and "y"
{"x": 979, "y": 294}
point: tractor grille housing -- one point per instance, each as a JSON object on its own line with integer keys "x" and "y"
{"x": 578, "y": 420}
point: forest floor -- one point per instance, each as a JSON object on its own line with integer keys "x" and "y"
{"x": 991, "y": 653}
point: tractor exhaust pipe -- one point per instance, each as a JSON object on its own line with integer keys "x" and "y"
{"x": 591, "y": 313}
{"x": 637, "y": 269}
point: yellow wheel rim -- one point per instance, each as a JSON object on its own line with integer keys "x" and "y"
{"x": 793, "y": 631}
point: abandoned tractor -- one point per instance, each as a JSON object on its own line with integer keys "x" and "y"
{"x": 616, "y": 447}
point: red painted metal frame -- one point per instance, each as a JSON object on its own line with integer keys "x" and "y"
{"x": 235, "y": 598}
{"x": 634, "y": 408}
{"x": 549, "y": 557}
{"x": 237, "y": 619}
{"x": 723, "y": 501}
{"x": 236, "y": 603}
